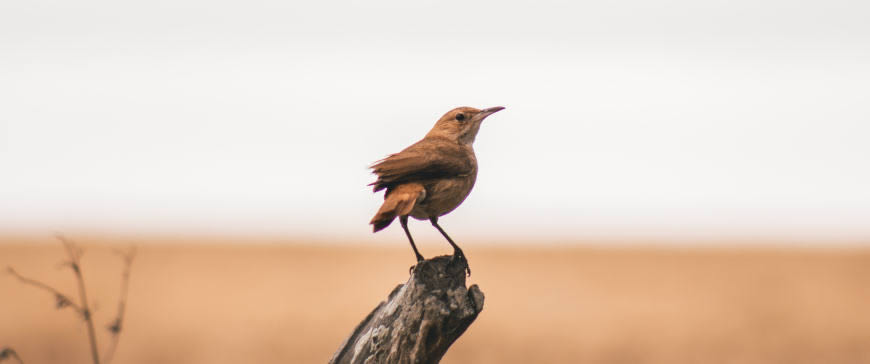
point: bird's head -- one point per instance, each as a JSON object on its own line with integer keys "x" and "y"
{"x": 461, "y": 124}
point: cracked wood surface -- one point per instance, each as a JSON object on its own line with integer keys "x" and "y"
{"x": 419, "y": 320}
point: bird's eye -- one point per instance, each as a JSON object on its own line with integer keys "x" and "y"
{"x": 460, "y": 117}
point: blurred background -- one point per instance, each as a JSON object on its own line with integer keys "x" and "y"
{"x": 672, "y": 181}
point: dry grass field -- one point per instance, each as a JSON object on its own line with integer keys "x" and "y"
{"x": 216, "y": 302}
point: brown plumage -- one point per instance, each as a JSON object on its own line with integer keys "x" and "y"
{"x": 433, "y": 176}
{"x": 400, "y": 201}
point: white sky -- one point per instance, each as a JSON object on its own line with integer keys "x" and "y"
{"x": 625, "y": 118}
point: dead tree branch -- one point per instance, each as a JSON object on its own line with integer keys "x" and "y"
{"x": 75, "y": 256}
{"x": 61, "y": 299}
{"x": 118, "y": 323}
{"x": 83, "y": 307}
{"x": 419, "y": 320}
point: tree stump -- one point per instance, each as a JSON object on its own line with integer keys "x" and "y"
{"x": 419, "y": 320}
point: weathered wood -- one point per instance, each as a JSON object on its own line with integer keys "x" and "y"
{"x": 419, "y": 320}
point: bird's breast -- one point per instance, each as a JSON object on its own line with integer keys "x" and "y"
{"x": 444, "y": 195}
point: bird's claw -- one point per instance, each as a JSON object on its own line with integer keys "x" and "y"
{"x": 419, "y": 259}
{"x": 460, "y": 256}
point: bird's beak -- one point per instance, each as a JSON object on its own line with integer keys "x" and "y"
{"x": 489, "y": 111}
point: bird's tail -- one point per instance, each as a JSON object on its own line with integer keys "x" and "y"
{"x": 398, "y": 202}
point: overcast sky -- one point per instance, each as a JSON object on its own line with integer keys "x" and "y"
{"x": 624, "y": 118}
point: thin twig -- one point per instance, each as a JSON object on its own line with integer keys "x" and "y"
{"x": 8, "y": 352}
{"x": 75, "y": 255}
{"x": 62, "y": 299}
{"x": 83, "y": 308}
{"x": 117, "y": 325}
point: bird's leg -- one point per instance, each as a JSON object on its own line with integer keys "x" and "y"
{"x": 404, "y": 221}
{"x": 457, "y": 252}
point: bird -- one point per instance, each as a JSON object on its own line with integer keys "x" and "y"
{"x": 433, "y": 176}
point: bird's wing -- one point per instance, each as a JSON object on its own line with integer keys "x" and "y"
{"x": 429, "y": 158}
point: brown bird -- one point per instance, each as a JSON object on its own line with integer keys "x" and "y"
{"x": 431, "y": 177}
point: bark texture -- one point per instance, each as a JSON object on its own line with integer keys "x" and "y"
{"x": 419, "y": 320}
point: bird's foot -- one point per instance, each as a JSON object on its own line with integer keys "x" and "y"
{"x": 419, "y": 259}
{"x": 458, "y": 255}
